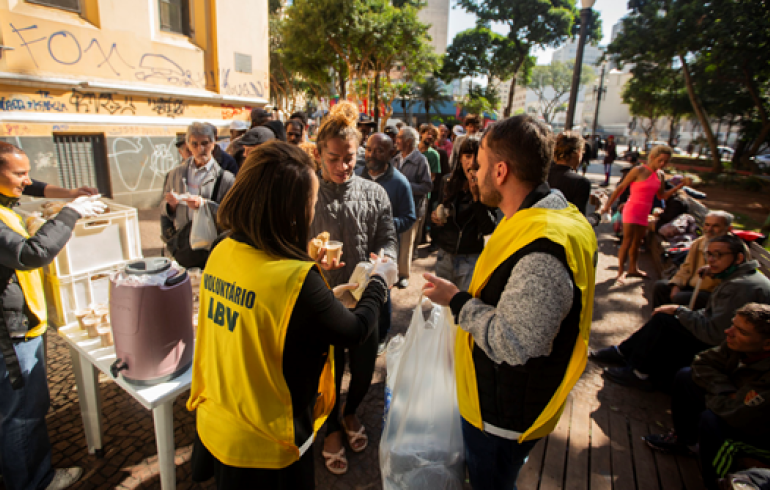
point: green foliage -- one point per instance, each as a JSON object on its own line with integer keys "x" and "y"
{"x": 354, "y": 39}
{"x": 722, "y": 53}
{"x": 552, "y": 83}
{"x": 531, "y": 24}
{"x": 431, "y": 92}
{"x": 481, "y": 100}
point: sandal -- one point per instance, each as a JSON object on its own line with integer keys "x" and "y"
{"x": 354, "y": 436}
{"x": 338, "y": 457}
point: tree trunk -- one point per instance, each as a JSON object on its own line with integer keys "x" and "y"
{"x": 702, "y": 116}
{"x": 507, "y": 110}
{"x": 377, "y": 99}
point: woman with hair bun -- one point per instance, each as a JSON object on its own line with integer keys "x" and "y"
{"x": 358, "y": 213}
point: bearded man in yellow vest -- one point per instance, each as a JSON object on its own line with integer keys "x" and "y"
{"x": 525, "y": 321}
{"x": 25, "y": 451}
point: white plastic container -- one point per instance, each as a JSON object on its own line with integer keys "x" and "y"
{"x": 97, "y": 243}
{"x": 66, "y": 295}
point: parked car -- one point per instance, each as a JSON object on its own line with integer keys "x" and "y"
{"x": 763, "y": 162}
{"x": 725, "y": 152}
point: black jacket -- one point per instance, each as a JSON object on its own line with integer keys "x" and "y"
{"x": 464, "y": 230}
{"x": 575, "y": 188}
{"x": 225, "y": 161}
{"x": 19, "y": 253}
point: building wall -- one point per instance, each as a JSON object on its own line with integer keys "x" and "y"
{"x": 568, "y": 52}
{"x": 111, "y": 71}
{"x": 436, "y": 13}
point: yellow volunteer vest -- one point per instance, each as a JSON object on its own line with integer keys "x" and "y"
{"x": 569, "y": 229}
{"x": 244, "y": 411}
{"x": 31, "y": 281}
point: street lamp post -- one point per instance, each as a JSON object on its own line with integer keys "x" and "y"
{"x": 598, "y": 96}
{"x": 585, "y": 18}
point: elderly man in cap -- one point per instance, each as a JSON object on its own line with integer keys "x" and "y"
{"x": 238, "y": 128}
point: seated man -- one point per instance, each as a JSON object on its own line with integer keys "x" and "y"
{"x": 668, "y": 342}
{"x": 723, "y": 400}
{"x": 679, "y": 289}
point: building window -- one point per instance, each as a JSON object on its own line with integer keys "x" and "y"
{"x": 175, "y": 16}
{"x": 71, "y": 5}
{"x": 83, "y": 161}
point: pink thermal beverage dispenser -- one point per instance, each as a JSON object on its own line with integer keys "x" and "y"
{"x": 151, "y": 324}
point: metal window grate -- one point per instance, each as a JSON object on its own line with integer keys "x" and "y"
{"x": 71, "y": 5}
{"x": 82, "y": 162}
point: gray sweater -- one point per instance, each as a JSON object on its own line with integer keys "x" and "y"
{"x": 535, "y": 301}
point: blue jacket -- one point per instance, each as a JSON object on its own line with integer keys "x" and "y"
{"x": 400, "y": 193}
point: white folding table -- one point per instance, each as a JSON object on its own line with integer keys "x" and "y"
{"x": 88, "y": 358}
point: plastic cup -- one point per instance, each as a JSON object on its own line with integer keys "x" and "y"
{"x": 105, "y": 335}
{"x": 333, "y": 251}
{"x": 81, "y": 314}
{"x": 90, "y": 323}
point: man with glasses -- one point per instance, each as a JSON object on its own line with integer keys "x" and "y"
{"x": 651, "y": 357}
{"x": 679, "y": 289}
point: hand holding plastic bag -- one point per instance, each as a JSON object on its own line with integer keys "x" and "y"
{"x": 204, "y": 229}
{"x": 422, "y": 443}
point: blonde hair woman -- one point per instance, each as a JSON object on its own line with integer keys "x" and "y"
{"x": 646, "y": 181}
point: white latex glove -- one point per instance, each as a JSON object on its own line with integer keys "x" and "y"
{"x": 386, "y": 269}
{"x": 87, "y": 206}
{"x": 342, "y": 293}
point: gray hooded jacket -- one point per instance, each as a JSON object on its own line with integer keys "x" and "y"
{"x": 358, "y": 214}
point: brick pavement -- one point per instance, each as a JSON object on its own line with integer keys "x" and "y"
{"x": 130, "y": 459}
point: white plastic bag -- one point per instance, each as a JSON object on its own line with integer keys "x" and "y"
{"x": 422, "y": 444}
{"x": 204, "y": 229}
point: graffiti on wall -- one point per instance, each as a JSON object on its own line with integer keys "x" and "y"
{"x": 156, "y": 161}
{"x": 64, "y": 47}
{"x": 86, "y": 102}
{"x": 43, "y": 103}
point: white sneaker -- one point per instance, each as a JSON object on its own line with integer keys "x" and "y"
{"x": 64, "y": 478}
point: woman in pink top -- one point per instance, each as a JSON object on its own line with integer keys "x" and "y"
{"x": 646, "y": 182}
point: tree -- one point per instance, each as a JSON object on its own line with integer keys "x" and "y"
{"x": 644, "y": 98}
{"x": 480, "y": 100}
{"x": 552, "y": 83}
{"x": 531, "y": 24}
{"x": 711, "y": 42}
{"x": 430, "y": 92}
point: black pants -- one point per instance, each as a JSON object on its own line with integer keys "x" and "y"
{"x": 361, "y": 361}
{"x": 299, "y": 475}
{"x": 696, "y": 424}
{"x": 661, "y": 348}
{"x": 661, "y": 295}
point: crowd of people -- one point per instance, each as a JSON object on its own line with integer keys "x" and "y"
{"x": 506, "y": 211}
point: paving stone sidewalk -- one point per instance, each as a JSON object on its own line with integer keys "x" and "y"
{"x": 130, "y": 459}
